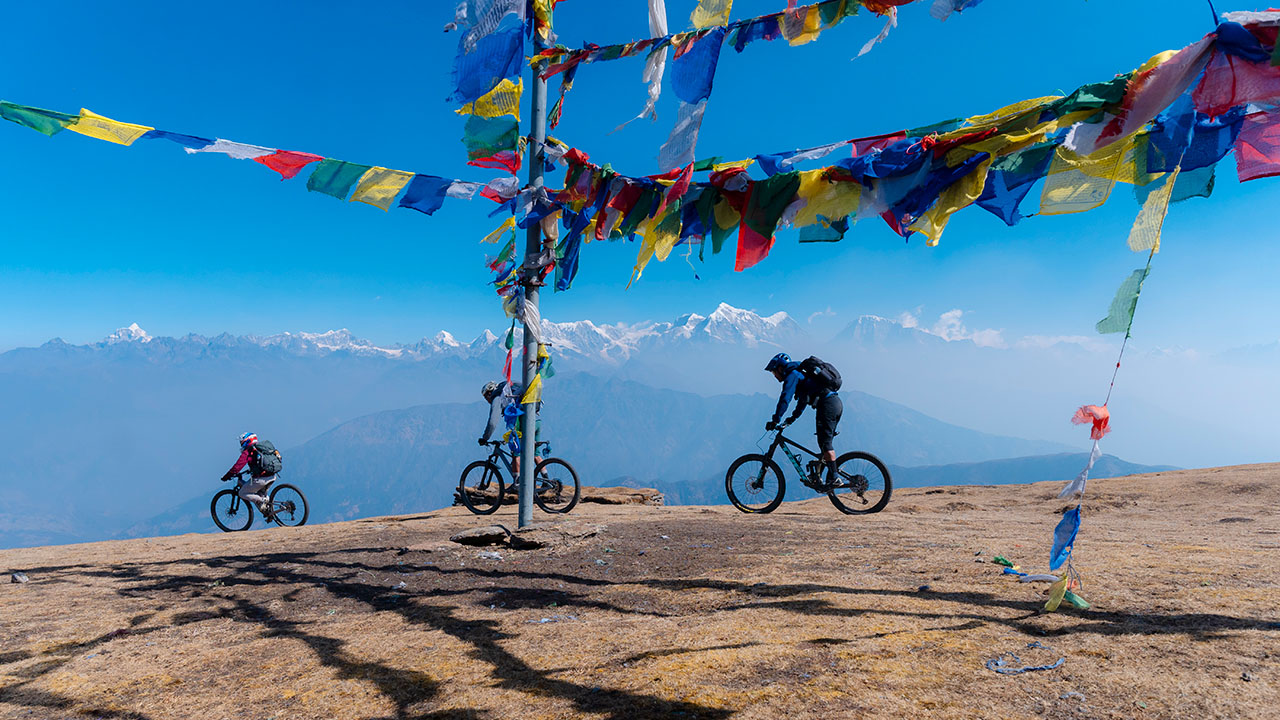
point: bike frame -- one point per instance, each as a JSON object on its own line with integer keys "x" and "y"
{"x": 501, "y": 453}
{"x": 786, "y": 443}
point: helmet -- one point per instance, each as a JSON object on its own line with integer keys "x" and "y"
{"x": 248, "y": 439}
{"x": 778, "y": 362}
{"x": 489, "y": 390}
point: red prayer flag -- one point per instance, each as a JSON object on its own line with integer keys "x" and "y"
{"x": 1258, "y": 147}
{"x": 287, "y": 162}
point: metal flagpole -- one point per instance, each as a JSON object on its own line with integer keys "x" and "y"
{"x": 533, "y": 250}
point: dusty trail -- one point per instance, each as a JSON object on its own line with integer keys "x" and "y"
{"x": 675, "y": 612}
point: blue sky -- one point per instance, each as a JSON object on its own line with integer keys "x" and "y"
{"x": 96, "y": 236}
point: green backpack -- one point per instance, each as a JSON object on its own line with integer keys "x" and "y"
{"x": 264, "y": 459}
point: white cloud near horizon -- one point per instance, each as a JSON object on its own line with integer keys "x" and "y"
{"x": 950, "y": 327}
{"x": 822, "y": 313}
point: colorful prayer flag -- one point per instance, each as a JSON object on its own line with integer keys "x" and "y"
{"x": 1120, "y": 317}
{"x": 49, "y": 122}
{"x": 335, "y": 177}
{"x": 104, "y": 128}
{"x": 766, "y": 201}
{"x": 379, "y": 186}
{"x": 286, "y": 162}
{"x": 426, "y": 193}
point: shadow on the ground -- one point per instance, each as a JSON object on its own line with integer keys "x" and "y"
{"x": 243, "y": 584}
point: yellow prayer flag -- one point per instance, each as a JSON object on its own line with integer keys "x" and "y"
{"x": 660, "y": 234}
{"x": 961, "y": 194}
{"x": 1056, "y": 592}
{"x": 801, "y": 29}
{"x": 503, "y": 99}
{"x": 534, "y": 393}
{"x": 710, "y": 13}
{"x": 379, "y": 186}
{"x": 1145, "y": 234}
{"x": 104, "y": 128}
{"x": 496, "y": 235}
{"x": 825, "y": 199}
{"x": 735, "y": 164}
{"x": 1077, "y": 183}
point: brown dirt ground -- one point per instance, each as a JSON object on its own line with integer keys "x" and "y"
{"x": 673, "y": 612}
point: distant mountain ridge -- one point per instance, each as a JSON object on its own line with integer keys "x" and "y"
{"x": 607, "y": 343}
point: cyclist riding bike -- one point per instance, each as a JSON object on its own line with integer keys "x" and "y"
{"x": 504, "y": 408}
{"x": 809, "y": 383}
{"x": 264, "y": 465}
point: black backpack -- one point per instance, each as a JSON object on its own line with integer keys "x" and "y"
{"x": 264, "y": 459}
{"x": 826, "y": 374}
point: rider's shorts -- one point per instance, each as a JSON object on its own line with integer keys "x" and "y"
{"x": 829, "y": 410}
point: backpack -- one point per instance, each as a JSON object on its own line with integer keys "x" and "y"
{"x": 264, "y": 459}
{"x": 823, "y": 372}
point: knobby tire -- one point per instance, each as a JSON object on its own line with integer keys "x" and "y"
{"x": 481, "y": 507}
{"x": 557, "y": 504}
{"x": 741, "y": 497}
{"x": 232, "y": 500}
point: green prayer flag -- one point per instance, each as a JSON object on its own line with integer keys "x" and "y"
{"x": 1120, "y": 318}
{"x": 49, "y": 122}
{"x": 511, "y": 336}
{"x": 1092, "y": 96}
{"x": 548, "y": 372}
{"x": 335, "y": 177}
{"x": 768, "y": 200}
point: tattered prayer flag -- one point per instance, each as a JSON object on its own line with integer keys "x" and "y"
{"x": 1077, "y": 183}
{"x": 1064, "y": 537}
{"x": 335, "y": 177}
{"x": 1011, "y": 178}
{"x": 492, "y": 142}
{"x": 426, "y": 193}
{"x": 678, "y": 150}
{"x": 49, "y": 122}
{"x": 504, "y": 99}
{"x": 694, "y": 68}
{"x": 239, "y": 151}
{"x": 1057, "y": 592}
{"x": 188, "y": 141}
{"x": 942, "y": 9}
{"x": 1258, "y": 147}
{"x": 286, "y": 162}
{"x": 1145, "y": 234}
{"x": 802, "y": 26}
{"x": 534, "y": 393}
{"x": 1098, "y": 417}
{"x": 496, "y": 55}
{"x": 379, "y": 186}
{"x": 711, "y": 12}
{"x": 766, "y": 202}
{"x": 104, "y": 128}
{"x": 1120, "y": 317}
{"x": 507, "y": 225}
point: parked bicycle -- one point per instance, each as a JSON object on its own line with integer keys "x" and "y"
{"x": 286, "y": 506}
{"x": 481, "y": 487}
{"x": 755, "y": 483}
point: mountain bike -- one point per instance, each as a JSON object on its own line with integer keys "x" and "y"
{"x": 481, "y": 487}
{"x": 286, "y": 506}
{"x": 755, "y": 483}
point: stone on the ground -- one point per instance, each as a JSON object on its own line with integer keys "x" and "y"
{"x": 622, "y": 496}
{"x": 19, "y": 577}
{"x": 488, "y": 535}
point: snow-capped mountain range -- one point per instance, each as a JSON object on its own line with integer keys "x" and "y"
{"x": 606, "y": 343}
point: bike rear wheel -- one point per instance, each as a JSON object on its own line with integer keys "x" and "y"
{"x": 230, "y": 513}
{"x": 481, "y": 487}
{"x": 862, "y": 484}
{"x": 558, "y": 492}
{"x": 288, "y": 506}
{"x": 755, "y": 484}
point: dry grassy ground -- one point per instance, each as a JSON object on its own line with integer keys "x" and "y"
{"x": 679, "y": 612}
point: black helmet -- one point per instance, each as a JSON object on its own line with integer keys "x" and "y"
{"x": 778, "y": 362}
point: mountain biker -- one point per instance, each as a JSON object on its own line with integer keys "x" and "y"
{"x": 807, "y": 390}
{"x": 504, "y": 400}
{"x": 251, "y": 455}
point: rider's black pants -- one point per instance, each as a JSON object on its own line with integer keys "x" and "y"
{"x": 829, "y": 409}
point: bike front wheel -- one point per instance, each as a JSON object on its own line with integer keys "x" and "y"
{"x": 230, "y": 513}
{"x": 754, "y": 484}
{"x": 481, "y": 488}
{"x": 288, "y": 506}
{"x": 555, "y": 486}
{"x": 862, "y": 484}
